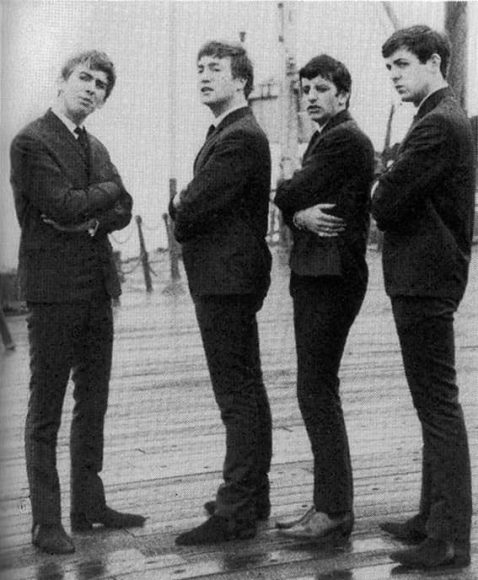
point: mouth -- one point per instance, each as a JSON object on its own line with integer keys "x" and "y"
{"x": 206, "y": 90}
{"x": 86, "y": 101}
{"x": 313, "y": 110}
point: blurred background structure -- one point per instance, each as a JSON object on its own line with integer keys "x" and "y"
{"x": 153, "y": 123}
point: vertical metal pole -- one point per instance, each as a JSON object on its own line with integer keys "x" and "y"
{"x": 5, "y": 332}
{"x": 144, "y": 256}
{"x": 173, "y": 245}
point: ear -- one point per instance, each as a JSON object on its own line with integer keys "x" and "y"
{"x": 240, "y": 83}
{"x": 435, "y": 61}
{"x": 343, "y": 97}
{"x": 60, "y": 82}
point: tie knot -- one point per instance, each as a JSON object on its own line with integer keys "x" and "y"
{"x": 80, "y": 131}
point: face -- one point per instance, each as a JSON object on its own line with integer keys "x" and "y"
{"x": 321, "y": 99}
{"x": 217, "y": 88}
{"x": 82, "y": 92}
{"x": 411, "y": 78}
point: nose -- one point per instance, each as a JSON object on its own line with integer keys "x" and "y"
{"x": 204, "y": 76}
{"x": 311, "y": 96}
{"x": 394, "y": 73}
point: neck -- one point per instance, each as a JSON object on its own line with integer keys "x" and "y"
{"x": 74, "y": 118}
{"x": 223, "y": 108}
{"x": 432, "y": 88}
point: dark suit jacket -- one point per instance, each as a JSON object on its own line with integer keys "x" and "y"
{"x": 50, "y": 175}
{"x": 425, "y": 203}
{"x": 337, "y": 168}
{"x": 223, "y": 215}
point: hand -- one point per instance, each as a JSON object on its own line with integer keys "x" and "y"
{"x": 316, "y": 220}
{"x": 88, "y": 226}
{"x": 177, "y": 199}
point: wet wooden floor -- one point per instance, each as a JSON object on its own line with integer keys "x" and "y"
{"x": 165, "y": 443}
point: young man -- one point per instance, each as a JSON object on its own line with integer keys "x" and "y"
{"x": 68, "y": 197}
{"x": 221, "y": 220}
{"x": 424, "y": 203}
{"x": 326, "y": 204}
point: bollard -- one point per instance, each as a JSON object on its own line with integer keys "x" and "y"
{"x": 5, "y": 332}
{"x": 144, "y": 256}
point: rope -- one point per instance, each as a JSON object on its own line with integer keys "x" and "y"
{"x": 149, "y": 228}
{"x": 138, "y": 262}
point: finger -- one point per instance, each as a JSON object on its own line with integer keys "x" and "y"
{"x": 327, "y": 235}
{"x": 332, "y": 219}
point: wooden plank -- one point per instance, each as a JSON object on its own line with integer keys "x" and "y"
{"x": 163, "y": 454}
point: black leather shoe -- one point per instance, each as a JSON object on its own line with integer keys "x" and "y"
{"x": 263, "y": 508}
{"x": 431, "y": 553}
{"x": 218, "y": 529}
{"x": 410, "y": 531}
{"x": 109, "y": 519}
{"x": 52, "y": 539}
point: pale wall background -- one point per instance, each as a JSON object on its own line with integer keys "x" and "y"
{"x": 153, "y": 137}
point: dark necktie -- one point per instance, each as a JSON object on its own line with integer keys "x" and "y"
{"x": 210, "y": 131}
{"x": 82, "y": 139}
{"x": 315, "y": 137}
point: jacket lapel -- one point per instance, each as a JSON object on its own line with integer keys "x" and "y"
{"x": 427, "y": 107}
{"x": 64, "y": 138}
{"x": 317, "y": 137}
{"x": 209, "y": 144}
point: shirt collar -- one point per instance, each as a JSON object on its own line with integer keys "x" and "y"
{"x": 428, "y": 96}
{"x": 217, "y": 120}
{"x": 68, "y": 122}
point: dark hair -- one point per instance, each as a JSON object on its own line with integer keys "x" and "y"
{"x": 330, "y": 69}
{"x": 422, "y": 41}
{"x": 241, "y": 66}
{"x": 95, "y": 60}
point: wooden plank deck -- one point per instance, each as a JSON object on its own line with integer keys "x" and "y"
{"x": 165, "y": 443}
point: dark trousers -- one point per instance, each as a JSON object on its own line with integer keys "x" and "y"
{"x": 64, "y": 338}
{"x": 229, "y": 333}
{"x": 324, "y": 310}
{"x": 425, "y": 331}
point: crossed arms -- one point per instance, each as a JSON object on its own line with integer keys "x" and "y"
{"x": 39, "y": 179}
{"x": 308, "y": 199}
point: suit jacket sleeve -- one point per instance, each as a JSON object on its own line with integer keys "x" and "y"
{"x": 218, "y": 185}
{"x": 41, "y": 179}
{"x": 119, "y": 216}
{"x": 404, "y": 187}
{"x": 336, "y": 156}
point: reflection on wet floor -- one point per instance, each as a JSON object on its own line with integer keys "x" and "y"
{"x": 163, "y": 454}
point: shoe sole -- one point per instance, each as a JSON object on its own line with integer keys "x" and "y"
{"x": 413, "y": 539}
{"x": 335, "y": 534}
{"x": 260, "y": 516}
{"x": 46, "y": 550}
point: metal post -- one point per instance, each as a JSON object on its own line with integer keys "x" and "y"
{"x": 144, "y": 256}
{"x": 5, "y": 332}
{"x": 174, "y": 249}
